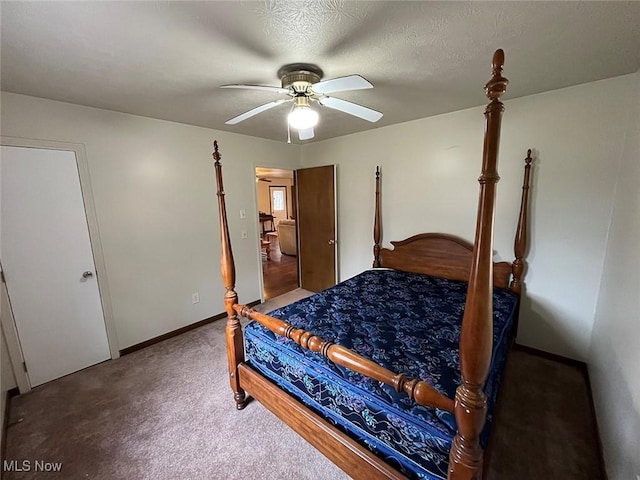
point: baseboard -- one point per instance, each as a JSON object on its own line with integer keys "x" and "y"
{"x": 12, "y": 392}
{"x": 603, "y": 470}
{"x": 175, "y": 333}
{"x": 582, "y": 366}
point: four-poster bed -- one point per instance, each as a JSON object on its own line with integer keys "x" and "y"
{"x": 380, "y": 373}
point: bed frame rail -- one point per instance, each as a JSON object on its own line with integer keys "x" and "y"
{"x": 418, "y": 390}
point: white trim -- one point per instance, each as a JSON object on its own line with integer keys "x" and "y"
{"x": 335, "y": 222}
{"x": 92, "y": 222}
{"x": 257, "y": 230}
{"x": 13, "y": 341}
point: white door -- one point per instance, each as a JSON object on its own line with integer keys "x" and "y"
{"x": 48, "y": 263}
{"x": 278, "y": 204}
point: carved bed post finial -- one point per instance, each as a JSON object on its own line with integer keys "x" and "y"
{"x": 496, "y": 87}
{"x": 520, "y": 242}
{"x": 465, "y": 458}
{"x": 377, "y": 223}
{"x": 216, "y": 153}
{"x": 233, "y": 330}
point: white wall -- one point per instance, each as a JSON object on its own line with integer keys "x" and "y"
{"x": 615, "y": 344}
{"x": 429, "y": 183}
{"x": 154, "y": 190}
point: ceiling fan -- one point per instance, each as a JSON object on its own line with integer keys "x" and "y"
{"x": 301, "y": 82}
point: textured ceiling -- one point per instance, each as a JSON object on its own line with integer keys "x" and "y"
{"x": 166, "y": 59}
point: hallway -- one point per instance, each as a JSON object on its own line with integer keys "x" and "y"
{"x": 280, "y": 272}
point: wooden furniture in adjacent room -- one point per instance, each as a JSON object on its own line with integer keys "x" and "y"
{"x": 266, "y": 220}
{"x": 397, "y": 422}
{"x": 266, "y": 246}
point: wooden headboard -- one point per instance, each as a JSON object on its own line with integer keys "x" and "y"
{"x": 440, "y": 255}
{"x": 448, "y": 256}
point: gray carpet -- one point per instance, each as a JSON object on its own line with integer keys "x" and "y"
{"x": 166, "y": 412}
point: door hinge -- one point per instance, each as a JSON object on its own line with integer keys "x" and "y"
{"x": 24, "y": 365}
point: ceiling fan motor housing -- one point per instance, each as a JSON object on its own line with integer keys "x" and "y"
{"x": 299, "y": 76}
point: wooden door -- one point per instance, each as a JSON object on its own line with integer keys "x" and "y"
{"x": 48, "y": 263}
{"x": 316, "y": 219}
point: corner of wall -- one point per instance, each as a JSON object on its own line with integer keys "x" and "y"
{"x": 613, "y": 350}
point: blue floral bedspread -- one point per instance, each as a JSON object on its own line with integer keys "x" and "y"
{"x": 408, "y": 323}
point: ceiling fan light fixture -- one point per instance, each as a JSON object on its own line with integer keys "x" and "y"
{"x": 303, "y": 84}
{"x": 302, "y": 117}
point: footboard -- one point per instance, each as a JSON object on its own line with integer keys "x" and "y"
{"x": 338, "y": 447}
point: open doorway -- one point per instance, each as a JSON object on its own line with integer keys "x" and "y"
{"x": 275, "y": 193}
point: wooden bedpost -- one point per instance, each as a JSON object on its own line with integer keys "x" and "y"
{"x": 376, "y": 223}
{"x": 465, "y": 459}
{"x": 235, "y": 342}
{"x": 520, "y": 242}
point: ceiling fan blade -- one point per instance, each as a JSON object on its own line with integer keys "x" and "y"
{"x": 269, "y": 88}
{"x": 254, "y": 111}
{"x": 351, "y": 108}
{"x": 306, "y": 133}
{"x": 341, "y": 84}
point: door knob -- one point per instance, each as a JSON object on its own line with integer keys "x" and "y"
{"x": 331, "y": 242}
{"x": 87, "y": 274}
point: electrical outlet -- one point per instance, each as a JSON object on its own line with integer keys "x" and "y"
{"x": 243, "y": 213}
{"x": 244, "y": 234}
{"x": 195, "y": 298}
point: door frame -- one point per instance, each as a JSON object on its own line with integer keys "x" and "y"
{"x": 258, "y": 164}
{"x": 8, "y": 325}
{"x": 14, "y": 348}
